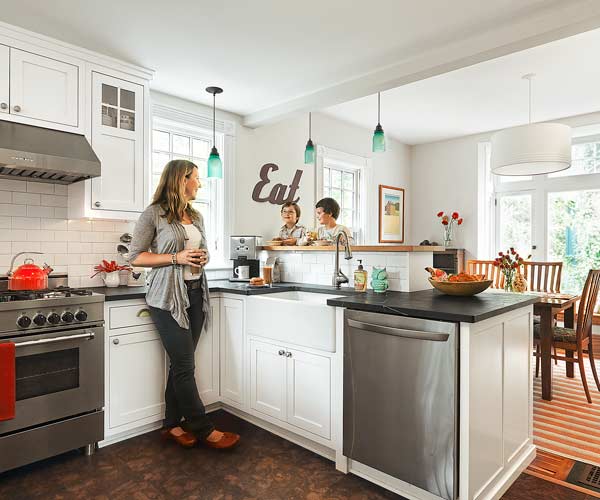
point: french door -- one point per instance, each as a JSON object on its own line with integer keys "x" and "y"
{"x": 515, "y": 223}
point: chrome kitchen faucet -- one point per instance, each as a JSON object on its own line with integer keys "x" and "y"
{"x": 338, "y": 276}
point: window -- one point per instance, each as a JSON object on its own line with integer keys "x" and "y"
{"x": 171, "y": 141}
{"x": 343, "y": 177}
{"x": 556, "y": 215}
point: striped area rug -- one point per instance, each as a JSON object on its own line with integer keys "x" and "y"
{"x": 568, "y": 425}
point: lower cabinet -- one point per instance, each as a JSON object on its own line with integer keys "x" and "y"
{"x": 207, "y": 358}
{"x": 232, "y": 349}
{"x": 291, "y": 385}
{"x": 136, "y": 378}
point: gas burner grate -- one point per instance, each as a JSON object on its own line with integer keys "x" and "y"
{"x": 58, "y": 292}
{"x": 590, "y": 476}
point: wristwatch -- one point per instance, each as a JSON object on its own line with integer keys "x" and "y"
{"x": 174, "y": 259}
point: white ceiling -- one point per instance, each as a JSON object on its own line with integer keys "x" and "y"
{"x": 266, "y": 53}
{"x": 489, "y": 95}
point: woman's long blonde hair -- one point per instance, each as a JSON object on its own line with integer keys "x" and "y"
{"x": 170, "y": 193}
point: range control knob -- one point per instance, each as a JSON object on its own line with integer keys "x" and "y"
{"x": 80, "y": 315}
{"x": 53, "y": 318}
{"x": 24, "y": 321}
{"x": 39, "y": 319}
{"x": 67, "y": 317}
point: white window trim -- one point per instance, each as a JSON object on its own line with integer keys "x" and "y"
{"x": 540, "y": 186}
{"x": 354, "y": 163}
{"x": 177, "y": 120}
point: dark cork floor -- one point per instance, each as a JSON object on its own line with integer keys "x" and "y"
{"x": 263, "y": 467}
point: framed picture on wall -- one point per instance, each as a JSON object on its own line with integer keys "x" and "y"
{"x": 391, "y": 214}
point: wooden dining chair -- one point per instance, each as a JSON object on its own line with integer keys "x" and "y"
{"x": 579, "y": 339}
{"x": 543, "y": 276}
{"x": 488, "y": 269}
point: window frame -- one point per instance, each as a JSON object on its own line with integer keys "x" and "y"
{"x": 357, "y": 165}
{"x": 165, "y": 119}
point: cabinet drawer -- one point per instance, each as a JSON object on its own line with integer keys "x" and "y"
{"x": 126, "y": 316}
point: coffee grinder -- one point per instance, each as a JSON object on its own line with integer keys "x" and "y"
{"x": 243, "y": 252}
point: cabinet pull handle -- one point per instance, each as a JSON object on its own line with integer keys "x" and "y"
{"x": 281, "y": 352}
{"x": 143, "y": 313}
{"x": 97, "y": 204}
{"x": 17, "y": 108}
{"x": 3, "y": 105}
{"x": 288, "y": 354}
{"x": 116, "y": 341}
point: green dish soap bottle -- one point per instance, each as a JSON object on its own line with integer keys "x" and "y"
{"x": 360, "y": 278}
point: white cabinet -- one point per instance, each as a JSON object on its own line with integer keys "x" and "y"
{"x": 44, "y": 89}
{"x": 232, "y": 342}
{"x": 267, "y": 379}
{"x": 309, "y": 392}
{"x": 4, "y": 78}
{"x": 118, "y": 140}
{"x": 207, "y": 359}
{"x": 291, "y": 385}
{"x": 136, "y": 367}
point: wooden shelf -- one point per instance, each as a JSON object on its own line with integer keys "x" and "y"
{"x": 355, "y": 248}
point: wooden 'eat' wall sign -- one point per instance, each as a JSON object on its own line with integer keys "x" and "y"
{"x": 279, "y": 192}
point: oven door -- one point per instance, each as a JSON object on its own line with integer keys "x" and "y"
{"x": 59, "y": 374}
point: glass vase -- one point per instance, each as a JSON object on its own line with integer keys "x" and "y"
{"x": 509, "y": 277}
{"x": 447, "y": 236}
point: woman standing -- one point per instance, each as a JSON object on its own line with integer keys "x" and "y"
{"x": 169, "y": 237}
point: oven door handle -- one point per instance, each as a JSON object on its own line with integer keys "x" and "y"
{"x": 87, "y": 335}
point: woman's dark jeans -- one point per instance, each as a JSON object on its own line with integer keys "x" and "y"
{"x": 181, "y": 395}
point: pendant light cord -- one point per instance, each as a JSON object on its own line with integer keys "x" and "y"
{"x": 378, "y": 108}
{"x": 214, "y": 123}
{"x": 309, "y": 125}
{"x": 529, "y": 101}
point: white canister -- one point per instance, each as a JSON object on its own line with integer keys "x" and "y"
{"x": 111, "y": 280}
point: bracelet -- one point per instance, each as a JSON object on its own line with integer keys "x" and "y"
{"x": 174, "y": 259}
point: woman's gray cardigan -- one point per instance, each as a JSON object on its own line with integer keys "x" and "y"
{"x": 166, "y": 287}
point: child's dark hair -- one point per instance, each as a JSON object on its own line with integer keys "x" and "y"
{"x": 329, "y": 206}
{"x": 295, "y": 207}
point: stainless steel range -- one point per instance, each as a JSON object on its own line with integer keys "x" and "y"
{"x": 59, "y": 338}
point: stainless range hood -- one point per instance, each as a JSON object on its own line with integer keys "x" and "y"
{"x": 43, "y": 155}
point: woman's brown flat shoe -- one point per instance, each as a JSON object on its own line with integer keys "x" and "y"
{"x": 228, "y": 441}
{"x": 186, "y": 439}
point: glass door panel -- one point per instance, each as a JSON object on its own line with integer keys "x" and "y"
{"x": 514, "y": 222}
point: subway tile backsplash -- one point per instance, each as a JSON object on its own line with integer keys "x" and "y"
{"x": 33, "y": 217}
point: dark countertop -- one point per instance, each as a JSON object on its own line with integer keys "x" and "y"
{"x": 431, "y": 304}
{"x": 427, "y": 304}
{"x": 225, "y": 286}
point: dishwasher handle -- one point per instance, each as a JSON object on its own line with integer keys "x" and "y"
{"x": 398, "y": 332}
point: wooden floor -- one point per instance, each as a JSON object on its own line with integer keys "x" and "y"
{"x": 263, "y": 467}
{"x": 568, "y": 425}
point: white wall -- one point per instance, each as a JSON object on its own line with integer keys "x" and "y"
{"x": 283, "y": 144}
{"x": 444, "y": 177}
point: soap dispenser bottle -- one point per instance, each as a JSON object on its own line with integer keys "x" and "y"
{"x": 360, "y": 278}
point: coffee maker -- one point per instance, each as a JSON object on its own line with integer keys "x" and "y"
{"x": 243, "y": 252}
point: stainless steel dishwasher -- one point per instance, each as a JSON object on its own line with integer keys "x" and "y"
{"x": 401, "y": 398}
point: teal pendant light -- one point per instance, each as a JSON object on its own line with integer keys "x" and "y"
{"x": 309, "y": 152}
{"x": 214, "y": 164}
{"x": 378, "y": 135}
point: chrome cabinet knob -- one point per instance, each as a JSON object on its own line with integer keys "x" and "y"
{"x": 3, "y": 105}
{"x": 97, "y": 204}
{"x": 116, "y": 341}
{"x": 17, "y": 108}
{"x": 281, "y": 352}
{"x": 288, "y": 354}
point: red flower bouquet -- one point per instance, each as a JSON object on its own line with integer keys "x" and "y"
{"x": 448, "y": 221}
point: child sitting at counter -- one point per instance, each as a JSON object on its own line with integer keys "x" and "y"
{"x": 327, "y": 211}
{"x": 291, "y": 232}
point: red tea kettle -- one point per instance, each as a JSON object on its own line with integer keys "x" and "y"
{"x": 28, "y": 276}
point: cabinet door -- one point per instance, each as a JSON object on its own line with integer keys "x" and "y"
{"x": 43, "y": 88}
{"x": 309, "y": 392}
{"x": 118, "y": 140}
{"x": 4, "y": 78}
{"x": 207, "y": 359}
{"x": 267, "y": 379}
{"x": 137, "y": 377}
{"x": 232, "y": 329}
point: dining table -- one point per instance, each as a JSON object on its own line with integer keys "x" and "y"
{"x": 549, "y": 305}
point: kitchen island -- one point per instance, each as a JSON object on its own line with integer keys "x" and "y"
{"x": 300, "y": 395}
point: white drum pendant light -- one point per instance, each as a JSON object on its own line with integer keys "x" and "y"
{"x": 534, "y": 149}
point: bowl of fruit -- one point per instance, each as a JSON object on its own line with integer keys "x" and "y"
{"x": 461, "y": 284}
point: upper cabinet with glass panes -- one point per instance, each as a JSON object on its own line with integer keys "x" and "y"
{"x": 118, "y": 107}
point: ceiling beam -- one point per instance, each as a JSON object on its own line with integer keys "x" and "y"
{"x": 562, "y": 20}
